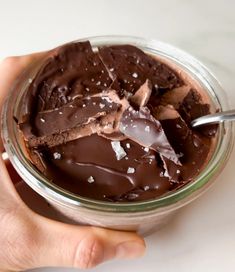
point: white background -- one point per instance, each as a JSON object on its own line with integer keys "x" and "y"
{"x": 202, "y": 236}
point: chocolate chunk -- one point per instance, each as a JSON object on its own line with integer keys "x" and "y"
{"x": 142, "y": 95}
{"x": 77, "y": 113}
{"x": 193, "y": 107}
{"x": 74, "y": 70}
{"x": 130, "y": 67}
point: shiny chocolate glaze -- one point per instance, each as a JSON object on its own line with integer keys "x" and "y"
{"x": 114, "y": 124}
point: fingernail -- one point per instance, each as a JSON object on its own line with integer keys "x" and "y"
{"x": 129, "y": 250}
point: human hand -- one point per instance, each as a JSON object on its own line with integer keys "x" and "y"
{"x": 29, "y": 240}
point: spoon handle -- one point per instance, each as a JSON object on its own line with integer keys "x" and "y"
{"x": 214, "y": 118}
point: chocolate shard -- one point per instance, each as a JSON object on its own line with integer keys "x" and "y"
{"x": 63, "y": 137}
{"x": 193, "y": 107}
{"x": 139, "y": 99}
{"x": 175, "y": 97}
{"x": 130, "y": 67}
{"x": 142, "y": 95}
{"x": 80, "y": 118}
{"x": 190, "y": 148}
{"x": 77, "y": 113}
{"x": 142, "y": 127}
{"x": 72, "y": 70}
{"x": 190, "y": 105}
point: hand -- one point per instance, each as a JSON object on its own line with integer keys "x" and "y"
{"x": 28, "y": 240}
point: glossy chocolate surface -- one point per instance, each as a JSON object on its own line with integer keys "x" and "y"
{"x": 114, "y": 124}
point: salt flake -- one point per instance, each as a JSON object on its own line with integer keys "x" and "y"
{"x": 118, "y": 149}
{"x": 102, "y": 105}
{"x": 128, "y": 145}
{"x": 146, "y": 149}
{"x": 135, "y": 75}
{"x": 90, "y": 179}
{"x": 57, "y": 156}
{"x": 130, "y": 170}
{"x": 147, "y": 128}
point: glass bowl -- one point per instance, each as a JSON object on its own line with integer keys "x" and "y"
{"x": 143, "y": 216}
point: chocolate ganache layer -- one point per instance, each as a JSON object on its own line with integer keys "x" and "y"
{"x": 114, "y": 124}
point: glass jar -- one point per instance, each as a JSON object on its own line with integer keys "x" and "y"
{"x": 144, "y": 216}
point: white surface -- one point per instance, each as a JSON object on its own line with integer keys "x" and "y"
{"x": 202, "y": 236}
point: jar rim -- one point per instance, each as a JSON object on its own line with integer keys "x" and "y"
{"x": 180, "y": 196}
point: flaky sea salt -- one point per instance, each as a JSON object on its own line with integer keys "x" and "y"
{"x": 42, "y": 120}
{"x": 30, "y": 80}
{"x": 60, "y": 112}
{"x": 91, "y": 179}
{"x": 118, "y": 149}
{"x": 146, "y": 149}
{"x": 147, "y": 128}
{"x": 57, "y": 156}
{"x": 128, "y": 145}
{"x": 130, "y": 170}
{"x": 146, "y": 187}
{"x": 135, "y": 75}
{"x": 102, "y": 105}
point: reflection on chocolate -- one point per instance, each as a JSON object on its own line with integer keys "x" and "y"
{"x": 114, "y": 124}
{"x": 142, "y": 127}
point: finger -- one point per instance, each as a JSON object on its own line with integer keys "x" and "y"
{"x": 83, "y": 247}
{"x": 44, "y": 242}
{"x": 50, "y": 243}
{"x": 8, "y": 196}
{"x": 12, "y": 172}
{"x": 10, "y": 69}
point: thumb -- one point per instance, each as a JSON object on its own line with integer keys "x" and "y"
{"x": 81, "y": 246}
{"x": 29, "y": 240}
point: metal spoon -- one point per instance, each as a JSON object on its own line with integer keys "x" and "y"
{"x": 214, "y": 118}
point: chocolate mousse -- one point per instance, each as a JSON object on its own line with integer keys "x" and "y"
{"x": 113, "y": 123}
